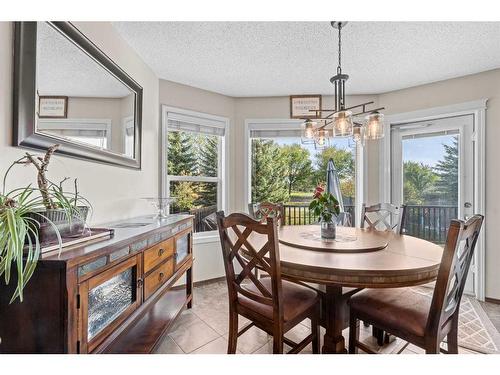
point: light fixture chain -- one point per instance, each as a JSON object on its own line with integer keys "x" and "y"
{"x": 339, "y": 67}
{"x": 342, "y": 117}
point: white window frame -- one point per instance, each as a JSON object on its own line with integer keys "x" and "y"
{"x": 293, "y": 124}
{"x": 477, "y": 108}
{"x": 78, "y": 124}
{"x": 222, "y": 170}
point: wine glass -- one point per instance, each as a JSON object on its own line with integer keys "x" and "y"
{"x": 161, "y": 205}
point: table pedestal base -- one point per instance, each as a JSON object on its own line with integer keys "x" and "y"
{"x": 336, "y": 318}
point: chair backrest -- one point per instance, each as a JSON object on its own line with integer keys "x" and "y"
{"x": 383, "y": 216}
{"x": 210, "y": 222}
{"x": 344, "y": 219}
{"x": 237, "y": 233}
{"x": 262, "y": 211}
{"x": 452, "y": 275}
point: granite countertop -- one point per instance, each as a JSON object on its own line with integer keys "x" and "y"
{"x": 125, "y": 232}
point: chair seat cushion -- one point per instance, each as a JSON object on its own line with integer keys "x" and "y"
{"x": 296, "y": 299}
{"x": 402, "y": 309}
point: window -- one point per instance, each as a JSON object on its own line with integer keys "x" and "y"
{"x": 93, "y": 132}
{"x": 284, "y": 170}
{"x": 194, "y": 149}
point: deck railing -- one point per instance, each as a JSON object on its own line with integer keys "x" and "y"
{"x": 199, "y": 215}
{"x": 429, "y": 222}
{"x": 200, "y": 223}
{"x": 300, "y": 214}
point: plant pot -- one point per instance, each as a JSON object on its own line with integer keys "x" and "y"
{"x": 328, "y": 229}
{"x": 67, "y": 228}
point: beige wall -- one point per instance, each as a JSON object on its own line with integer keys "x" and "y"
{"x": 101, "y": 184}
{"x": 473, "y": 87}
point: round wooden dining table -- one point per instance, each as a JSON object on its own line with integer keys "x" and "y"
{"x": 356, "y": 258}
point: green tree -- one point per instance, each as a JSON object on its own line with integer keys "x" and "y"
{"x": 208, "y": 147}
{"x": 186, "y": 194}
{"x": 268, "y": 172}
{"x": 182, "y": 156}
{"x": 447, "y": 170}
{"x": 343, "y": 160}
{"x": 419, "y": 183}
{"x": 344, "y": 163}
{"x": 348, "y": 188}
{"x": 182, "y": 161}
{"x": 299, "y": 169}
{"x": 208, "y": 150}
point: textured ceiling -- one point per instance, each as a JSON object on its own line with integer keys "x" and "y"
{"x": 283, "y": 58}
{"x": 64, "y": 69}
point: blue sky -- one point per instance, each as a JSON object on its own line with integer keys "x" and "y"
{"x": 428, "y": 150}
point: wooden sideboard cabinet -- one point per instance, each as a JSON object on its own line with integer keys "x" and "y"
{"x": 117, "y": 295}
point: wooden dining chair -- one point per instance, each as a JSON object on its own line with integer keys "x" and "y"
{"x": 271, "y": 304}
{"x": 383, "y": 216}
{"x": 261, "y": 211}
{"x": 412, "y": 316}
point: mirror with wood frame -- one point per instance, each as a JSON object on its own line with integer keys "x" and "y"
{"x": 67, "y": 91}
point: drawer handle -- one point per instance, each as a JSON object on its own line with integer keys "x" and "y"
{"x": 160, "y": 276}
{"x": 160, "y": 252}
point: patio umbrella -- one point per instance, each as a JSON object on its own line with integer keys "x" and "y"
{"x": 333, "y": 183}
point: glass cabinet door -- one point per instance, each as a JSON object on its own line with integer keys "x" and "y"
{"x": 182, "y": 246}
{"x": 107, "y": 299}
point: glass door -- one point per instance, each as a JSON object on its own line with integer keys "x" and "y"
{"x": 432, "y": 174}
{"x": 106, "y": 300}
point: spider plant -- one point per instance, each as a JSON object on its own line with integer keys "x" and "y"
{"x": 20, "y": 246}
{"x": 69, "y": 200}
{"x": 19, "y": 243}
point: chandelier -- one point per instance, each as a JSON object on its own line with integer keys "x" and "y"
{"x": 357, "y": 121}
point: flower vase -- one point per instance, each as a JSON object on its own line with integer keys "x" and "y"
{"x": 328, "y": 229}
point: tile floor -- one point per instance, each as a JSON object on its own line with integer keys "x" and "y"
{"x": 204, "y": 329}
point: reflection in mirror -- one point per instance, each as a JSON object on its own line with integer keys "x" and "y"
{"x": 78, "y": 99}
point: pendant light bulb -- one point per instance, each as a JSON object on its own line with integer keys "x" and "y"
{"x": 342, "y": 124}
{"x": 321, "y": 138}
{"x": 358, "y": 134}
{"x": 374, "y": 126}
{"x": 309, "y": 128}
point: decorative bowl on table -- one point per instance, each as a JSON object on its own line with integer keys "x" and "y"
{"x": 161, "y": 204}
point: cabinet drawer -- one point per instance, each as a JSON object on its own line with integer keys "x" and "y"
{"x": 156, "y": 278}
{"x": 157, "y": 254}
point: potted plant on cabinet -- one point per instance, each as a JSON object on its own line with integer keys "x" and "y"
{"x": 31, "y": 216}
{"x": 326, "y": 206}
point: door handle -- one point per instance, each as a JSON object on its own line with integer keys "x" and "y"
{"x": 467, "y": 205}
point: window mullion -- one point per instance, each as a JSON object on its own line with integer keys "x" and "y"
{"x": 193, "y": 178}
